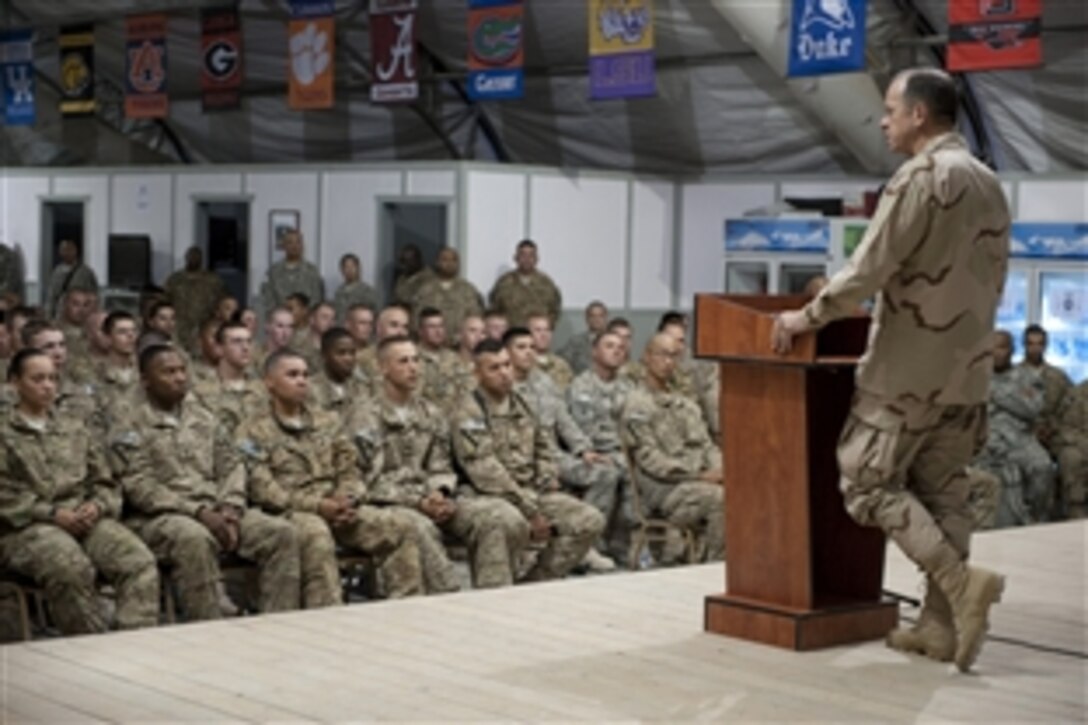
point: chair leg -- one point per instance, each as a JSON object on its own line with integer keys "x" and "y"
{"x": 638, "y": 543}
{"x": 24, "y": 614}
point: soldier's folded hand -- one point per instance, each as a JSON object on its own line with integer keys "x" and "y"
{"x": 217, "y": 525}
{"x": 540, "y": 529}
{"x": 71, "y": 521}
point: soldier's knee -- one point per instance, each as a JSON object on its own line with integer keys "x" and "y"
{"x": 71, "y": 570}
{"x": 874, "y": 506}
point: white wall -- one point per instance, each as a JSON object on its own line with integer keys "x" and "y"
{"x": 653, "y": 218}
{"x": 191, "y": 189}
{"x": 21, "y": 217}
{"x": 273, "y": 191}
{"x": 495, "y": 219}
{"x": 1052, "y": 201}
{"x": 350, "y": 214}
{"x": 144, "y": 204}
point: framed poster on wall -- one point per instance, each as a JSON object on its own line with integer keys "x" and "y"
{"x": 280, "y": 221}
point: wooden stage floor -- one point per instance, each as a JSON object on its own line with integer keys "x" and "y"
{"x": 621, "y": 647}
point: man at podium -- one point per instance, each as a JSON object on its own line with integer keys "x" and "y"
{"x": 935, "y": 256}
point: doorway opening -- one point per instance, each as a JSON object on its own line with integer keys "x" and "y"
{"x": 422, "y": 224}
{"x": 222, "y": 233}
{"x": 61, "y": 220}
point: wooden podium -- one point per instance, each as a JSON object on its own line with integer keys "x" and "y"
{"x": 799, "y": 572}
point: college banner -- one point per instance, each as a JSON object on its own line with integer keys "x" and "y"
{"x": 311, "y": 41}
{"x": 994, "y": 34}
{"x": 826, "y": 36}
{"x": 621, "y": 49}
{"x": 221, "y": 58}
{"x": 17, "y": 67}
{"x": 495, "y": 51}
{"x": 145, "y": 66}
{"x": 77, "y": 70}
{"x": 393, "y": 51}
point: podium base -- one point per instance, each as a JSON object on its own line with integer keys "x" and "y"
{"x": 798, "y": 629}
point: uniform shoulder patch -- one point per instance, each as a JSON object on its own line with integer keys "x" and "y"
{"x": 128, "y": 438}
{"x": 250, "y": 447}
{"x": 472, "y": 425}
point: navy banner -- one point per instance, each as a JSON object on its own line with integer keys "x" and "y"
{"x": 17, "y": 66}
{"x": 827, "y": 36}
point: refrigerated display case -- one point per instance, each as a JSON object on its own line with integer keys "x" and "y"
{"x": 1063, "y": 302}
{"x": 1013, "y": 312}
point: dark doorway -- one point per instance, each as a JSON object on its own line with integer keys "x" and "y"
{"x": 223, "y": 234}
{"x": 405, "y": 223}
{"x": 60, "y": 220}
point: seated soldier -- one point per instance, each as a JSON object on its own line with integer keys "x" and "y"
{"x": 58, "y": 510}
{"x": 234, "y": 393}
{"x": 184, "y": 485}
{"x": 73, "y": 400}
{"x": 578, "y": 351}
{"x": 203, "y": 367}
{"x": 678, "y": 466}
{"x": 279, "y": 327}
{"x": 495, "y": 325}
{"x": 440, "y": 369}
{"x": 581, "y": 468}
{"x": 507, "y": 454}
{"x": 1012, "y": 452}
{"x": 1072, "y": 446}
{"x": 472, "y": 333}
{"x": 340, "y": 386}
{"x": 696, "y": 378}
{"x": 1056, "y": 387}
{"x": 404, "y": 450}
{"x": 392, "y": 321}
{"x": 116, "y": 380}
{"x": 77, "y": 305}
{"x": 302, "y": 467}
{"x": 82, "y": 365}
{"x": 360, "y": 323}
{"x": 555, "y": 367}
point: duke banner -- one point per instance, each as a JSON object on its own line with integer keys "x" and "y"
{"x": 495, "y": 49}
{"x": 17, "y": 67}
{"x": 393, "y": 51}
{"x": 221, "y": 58}
{"x": 145, "y": 67}
{"x": 311, "y": 41}
{"x": 993, "y": 34}
{"x": 77, "y": 70}
{"x": 827, "y": 36}
{"x": 621, "y": 49}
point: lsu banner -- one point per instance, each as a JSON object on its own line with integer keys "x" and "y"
{"x": 495, "y": 49}
{"x": 393, "y": 51}
{"x": 777, "y": 235}
{"x": 311, "y": 41}
{"x": 77, "y": 70}
{"x": 993, "y": 34}
{"x": 827, "y": 36}
{"x": 145, "y": 67}
{"x": 17, "y": 66}
{"x": 621, "y": 49}
{"x": 221, "y": 58}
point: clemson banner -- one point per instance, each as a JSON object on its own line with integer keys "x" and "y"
{"x": 311, "y": 45}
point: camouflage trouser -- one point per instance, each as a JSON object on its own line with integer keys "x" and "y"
{"x": 904, "y": 468}
{"x": 191, "y": 554}
{"x": 983, "y": 497}
{"x": 699, "y": 507}
{"x": 495, "y": 533}
{"x": 1073, "y": 470}
{"x": 576, "y": 526}
{"x": 438, "y": 573}
{"x": 66, "y": 569}
{"x": 1027, "y": 479}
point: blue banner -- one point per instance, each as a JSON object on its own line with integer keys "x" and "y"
{"x": 17, "y": 69}
{"x": 827, "y": 36}
{"x": 312, "y": 8}
{"x": 496, "y": 51}
{"x": 1050, "y": 240}
{"x": 777, "y": 235}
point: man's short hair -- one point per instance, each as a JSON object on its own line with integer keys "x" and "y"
{"x": 428, "y": 313}
{"x": 514, "y": 333}
{"x": 1005, "y": 334}
{"x": 18, "y": 361}
{"x": 488, "y": 347}
{"x": 274, "y": 359}
{"x": 158, "y": 305}
{"x": 24, "y": 311}
{"x": 672, "y": 317}
{"x": 272, "y": 313}
{"x": 360, "y": 306}
{"x": 934, "y": 89}
{"x": 390, "y": 342}
{"x": 346, "y": 257}
{"x": 616, "y": 323}
{"x": 601, "y": 335}
{"x": 539, "y": 315}
{"x": 113, "y": 318}
{"x": 332, "y": 335}
{"x": 299, "y": 297}
{"x": 494, "y": 313}
{"x": 36, "y": 327}
{"x": 152, "y": 352}
{"x": 397, "y": 306}
{"x": 526, "y": 243}
{"x": 1032, "y": 329}
{"x": 232, "y": 324}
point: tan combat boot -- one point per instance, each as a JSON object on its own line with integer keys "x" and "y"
{"x": 934, "y": 634}
{"x": 971, "y": 592}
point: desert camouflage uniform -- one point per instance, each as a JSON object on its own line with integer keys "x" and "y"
{"x": 171, "y": 466}
{"x": 405, "y": 456}
{"x": 201, "y": 371}
{"x": 404, "y": 291}
{"x": 670, "y": 447}
{"x": 75, "y": 340}
{"x": 194, "y": 296}
{"x": 1073, "y": 451}
{"x": 519, "y": 296}
{"x": 340, "y": 398}
{"x": 555, "y": 368}
{"x": 457, "y": 299}
{"x": 507, "y": 454}
{"x": 366, "y": 363}
{"x": 61, "y": 466}
{"x": 293, "y": 466}
{"x": 350, "y": 294}
{"x": 286, "y": 279}
{"x": 117, "y": 391}
{"x": 440, "y": 378}
{"x": 232, "y": 402}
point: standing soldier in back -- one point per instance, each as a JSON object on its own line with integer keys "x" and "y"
{"x": 290, "y": 275}
{"x": 525, "y": 290}
{"x": 194, "y": 293}
{"x": 447, "y": 291}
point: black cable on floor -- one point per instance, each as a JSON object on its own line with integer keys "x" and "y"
{"x": 1076, "y": 654}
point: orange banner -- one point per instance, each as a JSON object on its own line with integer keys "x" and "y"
{"x": 311, "y": 45}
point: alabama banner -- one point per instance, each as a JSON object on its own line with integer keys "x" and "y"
{"x": 311, "y": 41}
{"x": 495, "y": 52}
{"x": 994, "y": 34}
{"x": 393, "y": 51}
{"x": 145, "y": 67}
{"x": 826, "y": 37}
{"x": 221, "y": 58}
{"x": 77, "y": 70}
{"x": 17, "y": 66}
{"x": 621, "y": 49}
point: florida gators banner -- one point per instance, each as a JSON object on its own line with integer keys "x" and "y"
{"x": 495, "y": 49}
{"x": 621, "y": 49}
{"x": 827, "y": 36}
{"x": 393, "y": 51}
{"x": 994, "y": 34}
{"x": 145, "y": 67}
{"x": 311, "y": 41}
{"x": 77, "y": 70}
{"x": 17, "y": 66}
{"x": 220, "y": 58}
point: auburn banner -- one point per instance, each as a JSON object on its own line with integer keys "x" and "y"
{"x": 311, "y": 47}
{"x": 393, "y": 51}
{"x": 621, "y": 49}
{"x": 77, "y": 70}
{"x": 994, "y": 34}
{"x": 145, "y": 67}
{"x": 495, "y": 49}
{"x": 17, "y": 67}
{"x": 221, "y": 58}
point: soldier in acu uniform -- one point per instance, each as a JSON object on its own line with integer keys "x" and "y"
{"x": 290, "y": 275}
{"x": 353, "y": 291}
{"x": 449, "y": 292}
{"x": 441, "y": 369}
{"x": 194, "y": 293}
{"x": 579, "y": 348}
{"x": 525, "y": 290}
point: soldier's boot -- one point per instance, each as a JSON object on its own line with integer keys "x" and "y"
{"x": 934, "y": 634}
{"x": 971, "y": 591}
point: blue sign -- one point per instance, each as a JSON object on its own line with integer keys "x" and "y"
{"x": 777, "y": 235}
{"x": 17, "y": 71}
{"x": 486, "y": 85}
{"x": 312, "y": 8}
{"x": 827, "y": 36}
{"x": 1050, "y": 240}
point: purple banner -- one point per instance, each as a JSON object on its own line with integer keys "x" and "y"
{"x": 626, "y": 75}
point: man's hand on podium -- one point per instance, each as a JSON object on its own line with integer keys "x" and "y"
{"x": 788, "y": 325}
